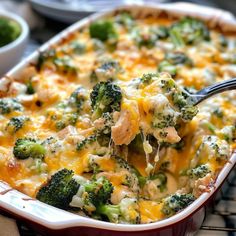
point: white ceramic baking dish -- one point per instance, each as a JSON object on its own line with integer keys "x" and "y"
{"x": 53, "y": 221}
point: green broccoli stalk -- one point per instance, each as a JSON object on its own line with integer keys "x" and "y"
{"x": 105, "y": 97}
{"x": 27, "y": 147}
{"x": 176, "y": 202}
{"x": 127, "y": 211}
{"x": 16, "y": 123}
{"x": 59, "y": 190}
{"x": 8, "y": 105}
{"x": 9, "y": 31}
{"x": 103, "y": 30}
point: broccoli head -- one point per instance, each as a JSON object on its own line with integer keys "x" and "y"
{"x": 125, "y": 19}
{"x": 86, "y": 142}
{"x": 7, "y": 105}
{"x": 78, "y": 97}
{"x": 9, "y": 31}
{"x": 92, "y": 194}
{"x": 28, "y": 147}
{"x": 188, "y": 31}
{"x": 103, "y": 30}
{"x": 59, "y": 190}
{"x": 145, "y": 38}
{"x": 178, "y": 58}
{"x": 99, "y": 191}
{"x": 199, "y": 171}
{"x": 176, "y": 202}
{"x": 105, "y": 97}
{"x": 16, "y": 123}
{"x": 75, "y": 47}
{"x": 161, "y": 32}
{"x": 108, "y": 69}
{"x": 148, "y": 78}
{"x": 65, "y": 65}
{"x": 49, "y": 54}
{"x": 127, "y": 211}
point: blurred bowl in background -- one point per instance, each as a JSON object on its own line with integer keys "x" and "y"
{"x": 12, "y": 52}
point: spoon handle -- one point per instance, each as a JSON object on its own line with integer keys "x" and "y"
{"x": 212, "y": 90}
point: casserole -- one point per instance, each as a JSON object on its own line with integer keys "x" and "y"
{"x": 164, "y": 227}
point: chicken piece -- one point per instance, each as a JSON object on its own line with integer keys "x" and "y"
{"x": 203, "y": 185}
{"x": 172, "y": 135}
{"x": 127, "y": 125}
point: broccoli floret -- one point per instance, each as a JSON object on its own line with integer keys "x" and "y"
{"x": 126, "y": 20}
{"x": 59, "y": 190}
{"x": 86, "y": 142}
{"x": 176, "y": 202}
{"x": 161, "y": 32}
{"x": 148, "y": 78}
{"x": 62, "y": 117}
{"x": 199, "y": 172}
{"x": 49, "y": 54}
{"x": 108, "y": 69}
{"x": 28, "y": 147}
{"x": 188, "y": 31}
{"x": 7, "y": 105}
{"x": 103, "y": 30}
{"x": 133, "y": 178}
{"x": 183, "y": 103}
{"x": 99, "y": 191}
{"x": 145, "y": 38}
{"x": 9, "y": 31}
{"x": 166, "y": 66}
{"x": 78, "y": 97}
{"x": 178, "y": 58}
{"x": 16, "y": 123}
{"x": 188, "y": 112}
{"x": 65, "y": 65}
{"x": 105, "y": 97}
{"x": 127, "y": 211}
{"x": 75, "y": 47}
{"x": 66, "y": 119}
{"x": 92, "y": 194}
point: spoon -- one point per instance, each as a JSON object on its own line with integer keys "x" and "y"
{"x": 211, "y": 90}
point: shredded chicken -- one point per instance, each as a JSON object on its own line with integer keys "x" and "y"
{"x": 127, "y": 125}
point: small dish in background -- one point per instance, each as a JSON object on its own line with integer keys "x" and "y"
{"x": 15, "y": 31}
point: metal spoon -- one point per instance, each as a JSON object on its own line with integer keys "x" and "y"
{"x": 212, "y": 90}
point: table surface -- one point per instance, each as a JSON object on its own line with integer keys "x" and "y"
{"x": 221, "y": 221}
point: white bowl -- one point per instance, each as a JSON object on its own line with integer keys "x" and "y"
{"x": 11, "y": 53}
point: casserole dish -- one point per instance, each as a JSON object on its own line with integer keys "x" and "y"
{"x": 185, "y": 222}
